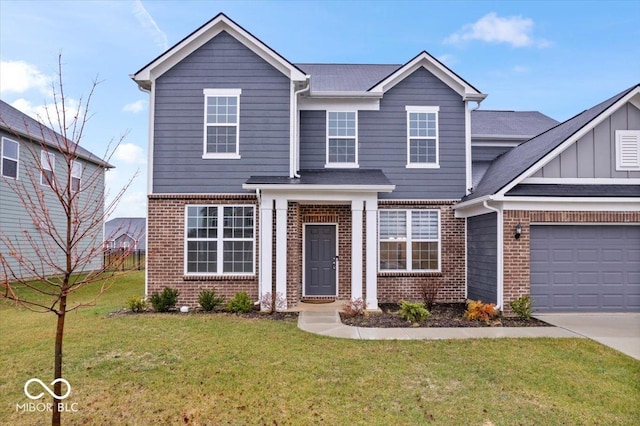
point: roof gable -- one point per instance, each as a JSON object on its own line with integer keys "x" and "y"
{"x": 509, "y": 169}
{"x": 206, "y": 32}
{"x": 435, "y": 67}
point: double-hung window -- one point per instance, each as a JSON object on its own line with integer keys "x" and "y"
{"x": 342, "y": 139}
{"x": 221, "y": 123}
{"x": 47, "y": 167}
{"x": 220, "y": 240}
{"x": 10, "y": 153}
{"x": 422, "y": 136}
{"x": 409, "y": 240}
{"x": 76, "y": 175}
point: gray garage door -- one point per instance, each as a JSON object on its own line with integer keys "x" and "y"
{"x": 585, "y": 268}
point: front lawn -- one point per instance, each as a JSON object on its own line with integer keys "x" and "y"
{"x": 221, "y": 369}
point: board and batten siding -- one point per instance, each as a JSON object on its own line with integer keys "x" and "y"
{"x": 382, "y": 139}
{"x": 594, "y": 154}
{"x": 14, "y": 218}
{"x": 223, "y": 62}
{"x": 482, "y": 256}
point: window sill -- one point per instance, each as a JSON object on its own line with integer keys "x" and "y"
{"x": 230, "y": 277}
{"x": 341, "y": 166}
{"x": 423, "y": 166}
{"x": 410, "y": 274}
{"x": 232, "y": 156}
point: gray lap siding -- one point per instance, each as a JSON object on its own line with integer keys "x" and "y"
{"x": 223, "y": 62}
{"x": 482, "y": 255}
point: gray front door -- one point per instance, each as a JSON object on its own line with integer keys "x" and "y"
{"x": 320, "y": 260}
{"x": 585, "y": 268}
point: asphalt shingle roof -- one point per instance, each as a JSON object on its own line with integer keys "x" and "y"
{"x": 326, "y": 177}
{"x": 513, "y": 163}
{"x": 135, "y": 227}
{"x": 524, "y": 124}
{"x": 575, "y": 190}
{"x": 346, "y": 77}
{"x": 15, "y": 121}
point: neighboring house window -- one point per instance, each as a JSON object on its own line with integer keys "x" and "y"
{"x": 10, "y": 152}
{"x": 627, "y": 150}
{"x": 220, "y": 240}
{"x": 409, "y": 240}
{"x": 221, "y": 123}
{"x": 47, "y": 167}
{"x": 422, "y": 136}
{"x": 342, "y": 141}
{"x": 76, "y": 175}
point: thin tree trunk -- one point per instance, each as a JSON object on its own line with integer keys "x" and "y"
{"x": 55, "y": 416}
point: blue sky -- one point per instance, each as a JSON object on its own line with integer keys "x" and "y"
{"x": 555, "y": 57}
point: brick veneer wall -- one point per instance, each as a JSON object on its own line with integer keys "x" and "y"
{"x": 165, "y": 249}
{"x": 395, "y": 286}
{"x": 517, "y": 266}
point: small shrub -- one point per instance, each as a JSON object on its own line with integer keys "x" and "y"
{"x": 476, "y": 310}
{"x": 137, "y": 304}
{"x": 354, "y": 308}
{"x": 209, "y": 301}
{"x": 429, "y": 289}
{"x": 165, "y": 301}
{"x": 413, "y": 312}
{"x": 240, "y": 304}
{"x": 270, "y": 303}
{"x": 522, "y": 306}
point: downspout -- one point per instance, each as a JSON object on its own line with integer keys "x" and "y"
{"x": 149, "y": 180}
{"x": 295, "y": 136}
{"x": 499, "y": 254}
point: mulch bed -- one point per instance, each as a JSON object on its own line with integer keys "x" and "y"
{"x": 276, "y": 316}
{"x": 442, "y": 315}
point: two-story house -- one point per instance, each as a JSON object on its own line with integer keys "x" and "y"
{"x": 32, "y": 161}
{"x": 314, "y": 180}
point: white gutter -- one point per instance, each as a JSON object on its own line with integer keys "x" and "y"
{"x": 294, "y": 135}
{"x": 499, "y": 255}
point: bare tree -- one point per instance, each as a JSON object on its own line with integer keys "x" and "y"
{"x": 61, "y": 251}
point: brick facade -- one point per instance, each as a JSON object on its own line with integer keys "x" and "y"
{"x": 517, "y": 251}
{"x": 396, "y": 286}
{"x": 165, "y": 249}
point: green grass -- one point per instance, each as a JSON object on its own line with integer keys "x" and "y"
{"x": 222, "y": 369}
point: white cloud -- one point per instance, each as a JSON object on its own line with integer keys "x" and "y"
{"x": 46, "y": 113}
{"x": 130, "y": 153}
{"x": 135, "y": 107}
{"x": 150, "y": 25}
{"x": 20, "y": 76}
{"x": 491, "y": 28}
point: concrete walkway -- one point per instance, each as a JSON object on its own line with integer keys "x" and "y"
{"x": 327, "y": 323}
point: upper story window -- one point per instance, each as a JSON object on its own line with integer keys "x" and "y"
{"x": 220, "y": 240}
{"x": 10, "y": 153}
{"x": 76, "y": 175}
{"x": 409, "y": 240}
{"x": 422, "y": 136}
{"x": 342, "y": 139}
{"x": 627, "y": 150}
{"x": 221, "y": 123}
{"x": 47, "y": 167}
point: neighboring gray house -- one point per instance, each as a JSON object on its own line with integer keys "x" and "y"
{"x": 128, "y": 233}
{"x": 25, "y": 144}
{"x": 339, "y": 181}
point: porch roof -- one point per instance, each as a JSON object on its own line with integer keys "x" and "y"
{"x": 335, "y": 179}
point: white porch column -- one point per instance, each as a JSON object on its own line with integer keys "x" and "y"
{"x": 281, "y": 248}
{"x": 266, "y": 238}
{"x": 357, "y": 206}
{"x": 372, "y": 252}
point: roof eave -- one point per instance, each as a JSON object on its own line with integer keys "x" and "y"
{"x": 319, "y": 188}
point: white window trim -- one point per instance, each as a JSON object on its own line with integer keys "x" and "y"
{"x": 47, "y": 159}
{"x": 408, "y": 240}
{"x": 219, "y": 242}
{"x": 423, "y": 109}
{"x": 329, "y": 164}
{"x": 227, "y": 155}
{"x": 628, "y": 136}
{"x": 76, "y": 173}
{"x": 3, "y": 156}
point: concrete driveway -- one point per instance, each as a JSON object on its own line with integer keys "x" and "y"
{"x": 620, "y": 331}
